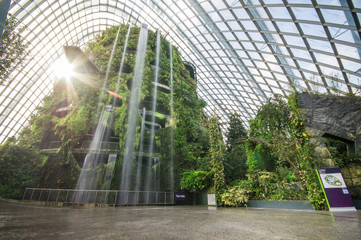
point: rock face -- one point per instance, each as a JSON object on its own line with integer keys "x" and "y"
{"x": 352, "y": 175}
{"x": 341, "y": 118}
{"x": 334, "y": 115}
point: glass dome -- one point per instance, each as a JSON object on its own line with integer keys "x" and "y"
{"x": 244, "y": 51}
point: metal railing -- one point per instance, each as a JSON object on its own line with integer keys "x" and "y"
{"x": 103, "y": 146}
{"x": 98, "y": 197}
{"x": 85, "y": 146}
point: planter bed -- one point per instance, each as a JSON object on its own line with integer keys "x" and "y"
{"x": 297, "y": 205}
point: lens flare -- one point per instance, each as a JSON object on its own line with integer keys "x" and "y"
{"x": 63, "y": 69}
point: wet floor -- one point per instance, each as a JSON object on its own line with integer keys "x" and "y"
{"x": 23, "y": 221}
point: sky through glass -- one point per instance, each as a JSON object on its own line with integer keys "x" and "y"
{"x": 244, "y": 51}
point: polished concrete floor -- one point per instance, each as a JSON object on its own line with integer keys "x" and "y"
{"x": 23, "y": 221}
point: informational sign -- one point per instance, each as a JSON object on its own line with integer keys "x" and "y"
{"x": 334, "y": 187}
{"x": 180, "y": 196}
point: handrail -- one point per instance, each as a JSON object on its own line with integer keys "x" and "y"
{"x": 109, "y": 197}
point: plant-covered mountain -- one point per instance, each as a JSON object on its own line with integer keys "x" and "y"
{"x": 59, "y": 134}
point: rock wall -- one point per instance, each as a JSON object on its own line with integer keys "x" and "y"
{"x": 339, "y": 117}
{"x": 334, "y": 115}
{"x": 352, "y": 175}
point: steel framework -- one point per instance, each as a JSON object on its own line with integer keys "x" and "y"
{"x": 245, "y": 50}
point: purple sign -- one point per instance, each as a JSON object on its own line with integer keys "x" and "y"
{"x": 180, "y": 196}
{"x": 335, "y": 189}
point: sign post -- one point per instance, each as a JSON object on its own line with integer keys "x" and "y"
{"x": 334, "y": 187}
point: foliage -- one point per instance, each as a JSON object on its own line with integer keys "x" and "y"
{"x": 339, "y": 153}
{"x": 70, "y": 129}
{"x": 19, "y": 168}
{"x": 279, "y": 129}
{"x": 193, "y": 180}
{"x": 12, "y": 48}
{"x": 216, "y": 155}
{"x": 235, "y": 160}
{"x": 236, "y": 131}
{"x": 235, "y": 196}
{"x": 190, "y": 133}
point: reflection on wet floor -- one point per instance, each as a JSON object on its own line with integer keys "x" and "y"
{"x": 22, "y": 221}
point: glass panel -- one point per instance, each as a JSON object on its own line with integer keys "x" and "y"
{"x": 301, "y": 53}
{"x": 241, "y": 36}
{"x": 222, "y": 26}
{"x": 313, "y": 29}
{"x": 279, "y": 12}
{"x": 300, "y": 1}
{"x": 248, "y": 25}
{"x": 331, "y": 73}
{"x": 296, "y": 41}
{"x": 288, "y": 27}
{"x": 234, "y": 26}
{"x": 307, "y": 66}
{"x": 352, "y": 66}
{"x": 354, "y": 79}
{"x": 330, "y": 2}
{"x": 308, "y": 14}
{"x": 256, "y": 36}
{"x": 229, "y": 36}
{"x": 215, "y": 17}
{"x": 266, "y": 26}
{"x": 338, "y": 17}
{"x": 258, "y": 13}
{"x": 269, "y": 58}
{"x": 219, "y": 4}
{"x": 320, "y": 45}
{"x": 207, "y": 6}
{"x": 349, "y": 51}
{"x": 345, "y": 35}
{"x": 227, "y": 15}
{"x": 326, "y": 59}
{"x": 240, "y": 13}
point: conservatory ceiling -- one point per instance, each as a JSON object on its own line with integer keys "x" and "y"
{"x": 244, "y": 51}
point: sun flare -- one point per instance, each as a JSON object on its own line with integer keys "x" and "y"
{"x": 63, "y": 69}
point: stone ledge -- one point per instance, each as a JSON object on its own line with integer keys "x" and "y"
{"x": 296, "y": 205}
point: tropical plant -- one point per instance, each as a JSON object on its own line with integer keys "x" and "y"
{"x": 278, "y": 134}
{"x": 235, "y": 196}
{"x": 235, "y": 159}
{"x": 19, "y": 168}
{"x": 216, "y": 154}
{"x": 13, "y": 48}
{"x": 193, "y": 180}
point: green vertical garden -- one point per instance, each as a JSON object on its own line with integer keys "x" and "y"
{"x": 273, "y": 160}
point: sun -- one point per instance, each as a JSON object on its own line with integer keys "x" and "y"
{"x": 63, "y": 69}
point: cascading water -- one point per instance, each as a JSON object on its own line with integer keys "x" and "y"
{"x": 128, "y": 157}
{"x": 171, "y": 164}
{"x": 140, "y": 152}
{"x": 109, "y": 172}
{"x": 88, "y": 179}
{"x": 89, "y": 176}
{"x": 141, "y": 171}
{"x": 150, "y": 175}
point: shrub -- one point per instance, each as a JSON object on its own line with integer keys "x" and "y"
{"x": 235, "y": 196}
{"x": 193, "y": 180}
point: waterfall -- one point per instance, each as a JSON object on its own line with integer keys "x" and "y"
{"x": 150, "y": 174}
{"x": 171, "y": 165}
{"x": 140, "y": 152}
{"x": 141, "y": 170}
{"x": 133, "y": 108}
{"x": 90, "y": 176}
{"x": 88, "y": 179}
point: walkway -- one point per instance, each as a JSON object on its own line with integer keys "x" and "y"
{"x": 21, "y": 221}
